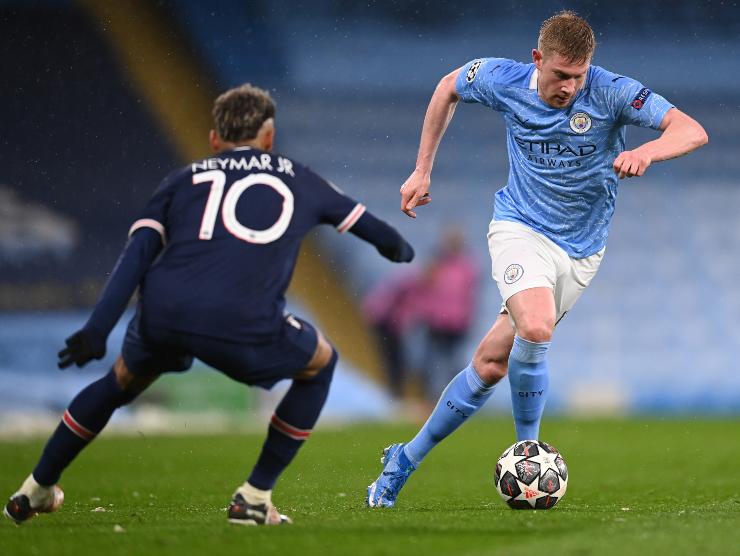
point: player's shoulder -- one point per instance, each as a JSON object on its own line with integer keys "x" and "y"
{"x": 599, "y": 77}
{"x": 502, "y": 71}
{"x": 175, "y": 176}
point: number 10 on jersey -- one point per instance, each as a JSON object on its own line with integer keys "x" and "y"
{"x": 217, "y": 179}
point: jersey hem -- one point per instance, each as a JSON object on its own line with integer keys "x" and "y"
{"x": 564, "y": 246}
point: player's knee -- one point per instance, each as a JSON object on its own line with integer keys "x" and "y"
{"x": 128, "y": 383}
{"x": 323, "y": 374}
{"x": 535, "y": 330}
{"x": 321, "y": 357}
{"x": 326, "y": 373}
{"x": 124, "y": 378}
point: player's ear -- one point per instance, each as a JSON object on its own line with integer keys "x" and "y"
{"x": 537, "y": 58}
{"x": 270, "y": 140}
{"x": 214, "y": 141}
{"x": 267, "y": 135}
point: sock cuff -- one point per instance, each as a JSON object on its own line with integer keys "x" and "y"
{"x": 476, "y": 384}
{"x": 405, "y": 454}
{"x": 37, "y": 493}
{"x": 254, "y": 495}
{"x": 529, "y": 352}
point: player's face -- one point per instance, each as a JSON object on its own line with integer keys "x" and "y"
{"x": 559, "y": 79}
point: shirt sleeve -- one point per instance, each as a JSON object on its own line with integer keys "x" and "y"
{"x": 136, "y": 258}
{"x": 637, "y": 105}
{"x": 332, "y": 205}
{"x": 476, "y": 83}
{"x": 154, "y": 214}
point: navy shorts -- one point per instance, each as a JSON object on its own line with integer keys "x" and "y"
{"x": 152, "y": 351}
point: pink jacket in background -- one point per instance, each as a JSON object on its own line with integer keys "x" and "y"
{"x": 450, "y": 293}
{"x": 443, "y": 298}
{"x": 395, "y": 302}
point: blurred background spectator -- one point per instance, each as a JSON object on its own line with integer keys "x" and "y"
{"x": 447, "y": 309}
{"x": 393, "y": 307}
{"x": 433, "y": 306}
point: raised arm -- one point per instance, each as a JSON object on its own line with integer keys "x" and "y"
{"x": 415, "y": 191}
{"x": 680, "y": 135}
{"x": 347, "y": 215}
{"x": 384, "y": 237}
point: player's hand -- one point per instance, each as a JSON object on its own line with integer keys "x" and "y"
{"x": 415, "y": 192}
{"x": 402, "y": 253}
{"x": 82, "y": 347}
{"x": 631, "y": 163}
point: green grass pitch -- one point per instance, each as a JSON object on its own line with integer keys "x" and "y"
{"x": 636, "y": 487}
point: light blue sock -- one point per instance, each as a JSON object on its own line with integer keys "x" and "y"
{"x": 528, "y": 378}
{"x": 464, "y": 395}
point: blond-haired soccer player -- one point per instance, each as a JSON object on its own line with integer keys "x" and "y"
{"x": 566, "y": 121}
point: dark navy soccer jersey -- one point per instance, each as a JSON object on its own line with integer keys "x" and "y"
{"x": 232, "y": 226}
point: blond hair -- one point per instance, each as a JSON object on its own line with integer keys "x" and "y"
{"x": 569, "y": 35}
{"x": 238, "y": 114}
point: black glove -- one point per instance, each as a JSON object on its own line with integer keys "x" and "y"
{"x": 401, "y": 253}
{"x": 82, "y": 346}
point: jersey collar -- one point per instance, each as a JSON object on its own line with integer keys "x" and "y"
{"x": 533, "y": 87}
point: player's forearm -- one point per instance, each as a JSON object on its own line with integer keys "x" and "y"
{"x": 439, "y": 113}
{"x": 133, "y": 263}
{"x": 679, "y": 138}
{"x": 384, "y": 237}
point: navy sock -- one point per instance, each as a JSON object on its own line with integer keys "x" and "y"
{"x": 85, "y": 417}
{"x": 528, "y": 378}
{"x": 290, "y": 426}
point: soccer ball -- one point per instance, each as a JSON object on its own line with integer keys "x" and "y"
{"x": 531, "y": 475}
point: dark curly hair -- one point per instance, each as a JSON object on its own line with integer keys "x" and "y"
{"x": 238, "y": 114}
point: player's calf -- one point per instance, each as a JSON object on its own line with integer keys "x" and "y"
{"x": 291, "y": 424}
{"x": 529, "y": 380}
{"x": 83, "y": 420}
{"x": 464, "y": 395}
{"x": 491, "y": 370}
{"x": 491, "y": 358}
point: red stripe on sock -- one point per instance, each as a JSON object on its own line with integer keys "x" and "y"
{"x": 289, "y": 430}
{"x": 75, "y": 427}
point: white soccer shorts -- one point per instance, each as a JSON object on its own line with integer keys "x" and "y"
{"x": 524, "y": 259}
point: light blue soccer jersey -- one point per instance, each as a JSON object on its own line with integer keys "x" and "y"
{"x": 561, "y": 181}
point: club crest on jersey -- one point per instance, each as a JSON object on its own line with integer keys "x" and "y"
{"x": 512, "y": 273}
{"x": 580, "y": 122}
{"x": 639, "y": 101}
{"x": 473, "y": 70}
